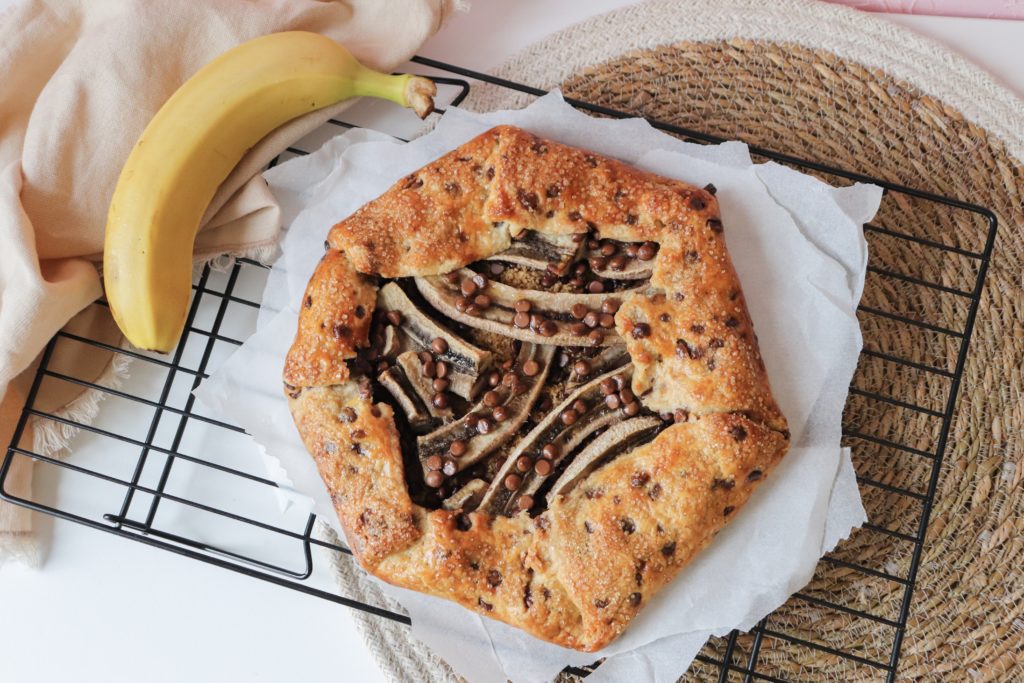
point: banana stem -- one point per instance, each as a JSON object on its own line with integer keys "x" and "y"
{"x": 407, "y": 90}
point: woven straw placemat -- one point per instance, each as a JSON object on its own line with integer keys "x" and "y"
{"x": 829, "y": 84}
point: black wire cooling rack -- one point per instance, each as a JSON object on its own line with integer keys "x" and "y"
{"x": 186, "y": 482}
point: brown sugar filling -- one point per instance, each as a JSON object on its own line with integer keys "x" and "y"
{"x": 509, "y": 381}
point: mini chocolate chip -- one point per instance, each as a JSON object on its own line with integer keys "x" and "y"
{"x": 440, "y": 400}
{"x": 579, "y": 311}
{"x": 598, "y": 263}
{"x": 359, "y": 434}
{"x": 483, "y": 425}
{"x": 512, "y": 482}
{"x": 531, "y": 368}
{"x": 461, "y": 304}
{"x": 442, "y": 369}
{"x": 641, "y": 331}
{"x": 341, "y": 330}
{"x": 496, "y": 268}
{"x": 523, "y": 463}
{"x": 588, "y": 527}
{"x": 463, "y": 522}
{"x": 309, "y": 301}
{"x": 716, "y": 343}
{"x": 728, "y": 510}
{"x": 551, "y": 451}
{"x": 482, "y": 300}
{"x": 631, "y": 218}
{"x": 634, "y": 599}
{"x": 452, "y": 188}
{"x": 725, "y": 484}
{"x": 631, "y": 409}
{"x": 754, "y": 475}
{"x": 486, "y": 605}
{"x": 490, "y": 173}
{"x": 655, "y": 492}
{"x": 481, "y": 281}
{"x": 521, "y": 320}
{"x": 608, "y": 249}
{"x": 610, "y": 305}
{"x": 618, "y": 263}
{"x": 413, "y": 182}
{"x": 452, "y": 278}
{"x": 549, "y": 328}
{"x": 697, "y": 329}
{"x": 494, "y": 578}
{"x": 711, "y": 364}
{"x": 468, "y": 287}
{"x": 692, "y": 256}
{"x": 668, "y": 549}
{"x": 525, "y": 502}
{"x": 542, "y": 467}
{"x": 738, "y": 433}
{"x": 697, "y": 204}
{"x": 612, "y": 401}
{"x": 579, "y": 329}
{"x": 574, "y": 215}
{"x": 347, "y": 414}
{"x": 596, "y": 337}
{"x": 646, "y": 252}
{"x": 711, "y": 189}
{"x": 552, "y": 191}
{"x": 569, "y": 416}
{"x": 439, "y": 345}
{"x": 434, "y": 479}
{"x": 627, "y": 525}
{"x": 595, "y": 287}
{"x": 434, "y": 462}
{"x": 715, "y": 224}
{"x": 608, "y": 386}
{"x": 528, "y": 200}
{"x": 732, "y": 322}
{"x": 429, "y": 369}
{"x": 457, "y": 447}
{"x": 639, "y": 479}
{"x": 473, "y": 310}
{"x": 581, "y": 368}
{"x": 500, "y": 414}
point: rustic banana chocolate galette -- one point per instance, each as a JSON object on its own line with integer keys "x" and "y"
{"x": 530, "y": 383}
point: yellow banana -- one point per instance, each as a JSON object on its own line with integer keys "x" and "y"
{"x": 191, "y": 145}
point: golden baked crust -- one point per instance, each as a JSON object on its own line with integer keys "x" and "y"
{"x": 579, "y": 571}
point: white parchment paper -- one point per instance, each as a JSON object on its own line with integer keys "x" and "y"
{"x": 798, "y": 246}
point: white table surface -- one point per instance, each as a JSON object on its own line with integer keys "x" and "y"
{"x": 104, "y": 609}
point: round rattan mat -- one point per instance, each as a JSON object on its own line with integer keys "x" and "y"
{"x": 966, "y": 621}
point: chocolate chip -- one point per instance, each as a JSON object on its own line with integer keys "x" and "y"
{"x": 581, "y": 368}
{"x": 482, "y": 300}
{"x": 738, "y": 433}
{"x": 596, "y": 337}
{"x": 588, "y": 527}
{"x": 468, "y": 287}
{"x": 732, "y": 322}
{"x": 569, "y": 416}
{"x": 591, "y": 160}
{"x": 440, "y": 400}
{"x": 598, "y": 263}
{"x": 655, "y": 492}
{"x": 754, "y": 475}
{"x": 551, "y": 451}
{"x": 610, "y": 305}
{"x": 434, "y": 479}
{"x": 522, "y": 306}
{"x": 647, "y": 251}
{"x": 495, "y": 268}
{"x": 457, "y": 447}
{"x": 631, "y": 250}
{"x": 549, "y": 328}
{"x": 452, "y": 278}
{"x": 474, "y": 310}
{"x": 531, "y": 368}
{"x": 528, "y": 200}
{"x": 442, "y": 369}
{"x": 347, "y": 414}
{"x": 580, "y": 406}
{"x": 618, "y": 263}
{"x": 579, "y": 329}
{"x": 631, "y": 409}
{"x": 523, "y": 463}
{"x": 579, "y": 311}
{"x": 612, "y": 401}
{"x": 521, "y": 320}
{"x": 595, "y": 287}
{"x": 692, "y": 256}
{"x": 668, "y": 549}
{"x": 639, "y": 479}
{"x": 542, "y": 467}
{"x": 512, "y": 482}
{"x": 728, "y": 510}
{"x": 434, "y": 462}
{"x": 664, "y": 317}
{"x": 429, "y": 369}
{"x": 641, "y": 331}
{"x": 715, "y": 224}
{"x": 608, "y": 386}
{"x": 607, "y": 320}
{"x": 500, "y": 414}
{"x": 525, "y": 502}
{"x": 461, "y": 304}
{"x": 439, "y": 345}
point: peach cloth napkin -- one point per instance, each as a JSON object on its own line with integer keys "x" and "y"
{"x": 81, "y": 79}
{"x": 989, "y": 9}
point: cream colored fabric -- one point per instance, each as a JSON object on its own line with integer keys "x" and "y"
{"x": 81, "y": 78}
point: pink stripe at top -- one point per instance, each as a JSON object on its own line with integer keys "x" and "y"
{"x": 990, "y": 9}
